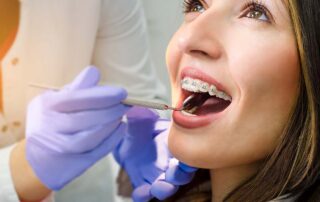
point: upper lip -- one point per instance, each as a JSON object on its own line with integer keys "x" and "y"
{"x": 198, "y": 74}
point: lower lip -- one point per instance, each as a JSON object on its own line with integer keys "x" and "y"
{"x": 190, "y": 122}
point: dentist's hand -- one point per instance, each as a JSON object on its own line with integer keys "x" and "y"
{"x": 144, "y": 155}
{"x": 70, "y": 130}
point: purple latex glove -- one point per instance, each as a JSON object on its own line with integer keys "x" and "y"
{"x": 70, "y": 130}
{"x": 144, "y": 154}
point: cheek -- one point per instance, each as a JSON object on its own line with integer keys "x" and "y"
{"x": 271, "y": 77}
{"x": 268, "y": 83}
{"x": 267, "y": 62}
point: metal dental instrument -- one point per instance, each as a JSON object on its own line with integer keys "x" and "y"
{"x": 128, "y": 101}
{"x": 153, "y": 105}
{"x": 192, "y": 103}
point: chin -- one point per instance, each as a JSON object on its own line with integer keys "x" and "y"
{"x": 180, "y": 148}
{"x": 187, "y": 149}
{"x": 190, "y": 148}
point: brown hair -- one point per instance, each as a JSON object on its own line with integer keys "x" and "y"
{"x": 293, "y": 168}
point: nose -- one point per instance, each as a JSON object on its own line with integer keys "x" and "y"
{"x": 200, "y": 38}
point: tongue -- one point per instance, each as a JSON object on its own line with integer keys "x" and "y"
{"x": 211, "y": 105}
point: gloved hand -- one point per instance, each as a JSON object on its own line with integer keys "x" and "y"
{"x": 144, "y": 155}
{"x": 68, "y": 131}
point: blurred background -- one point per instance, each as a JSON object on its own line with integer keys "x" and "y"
{"x": 163, "y": 19}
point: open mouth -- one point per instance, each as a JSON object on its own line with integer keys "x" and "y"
{"x": 202, "y": 98}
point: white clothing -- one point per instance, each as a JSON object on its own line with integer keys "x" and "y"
{"x": 55, "y": 41}
{"x": 7, "y": 191}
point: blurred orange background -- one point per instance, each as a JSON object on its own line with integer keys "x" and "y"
{"x": 9, "y": 20}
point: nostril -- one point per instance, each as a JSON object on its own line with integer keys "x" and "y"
{"x": 199, "y": 45}
{"x": 199, "y": 52}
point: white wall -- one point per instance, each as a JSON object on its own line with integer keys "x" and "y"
{"x": 163, "y": 19}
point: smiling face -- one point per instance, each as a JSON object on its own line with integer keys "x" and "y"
{"x": 238, "y": 50}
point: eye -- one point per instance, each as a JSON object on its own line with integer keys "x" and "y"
{"x": 191, "y": 6}
{"x": 257, "y": 11}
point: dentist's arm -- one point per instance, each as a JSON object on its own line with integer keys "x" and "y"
{"x": 27, "y": 185}
{"x": 66, "y": 133}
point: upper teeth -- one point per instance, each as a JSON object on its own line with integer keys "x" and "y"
{"x": 198, "y": 86}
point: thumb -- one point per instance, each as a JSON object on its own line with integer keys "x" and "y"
{"x": 141, "y": 123}
{"x": 88, "y": 77}
{"x": 142, "y": 193}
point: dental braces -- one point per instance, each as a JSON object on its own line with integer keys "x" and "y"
{"x": 198, "y": 86}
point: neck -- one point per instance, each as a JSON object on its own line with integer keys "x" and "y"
{"x": 224, "y": 180}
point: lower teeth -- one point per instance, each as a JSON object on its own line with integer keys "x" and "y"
{"x": 187, "y": 113}
{"x": 192, "y": 110}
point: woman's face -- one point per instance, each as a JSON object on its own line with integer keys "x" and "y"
{"x": 240, "y": 58}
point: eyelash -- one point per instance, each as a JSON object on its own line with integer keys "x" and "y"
{"x": 190, "y": 5}
{"x": 251, "y": 5}
{"x": 255, "y": 5}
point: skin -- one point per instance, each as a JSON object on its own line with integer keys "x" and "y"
{"x": 28, "y": 187}
{"x": 257, "y": 62}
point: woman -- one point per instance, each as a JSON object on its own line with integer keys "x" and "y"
{"x": 252, "y": 68}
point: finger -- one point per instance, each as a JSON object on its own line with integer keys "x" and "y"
{"x": 141, "y": 113}
{"x": 81, "y": 142}
{"x": 110, "y": 142}
{"x": 162, "y": 189}
{"x": 141, "y": 122}
{"x": 88, "y": 77}
{"x": 83, "y": 161}
{"x": 162, "y": 125}
{"x": 176, "y": 175}
{"x": 142, "y": 193}
{"x": 86, "y": 141}
{"x": 97, "y": 144}
{"x": 186, "y": 168}
{"x": 86, "y": 99}
{"x": 159, "y": 162}
{"x": 71, "y": 123}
